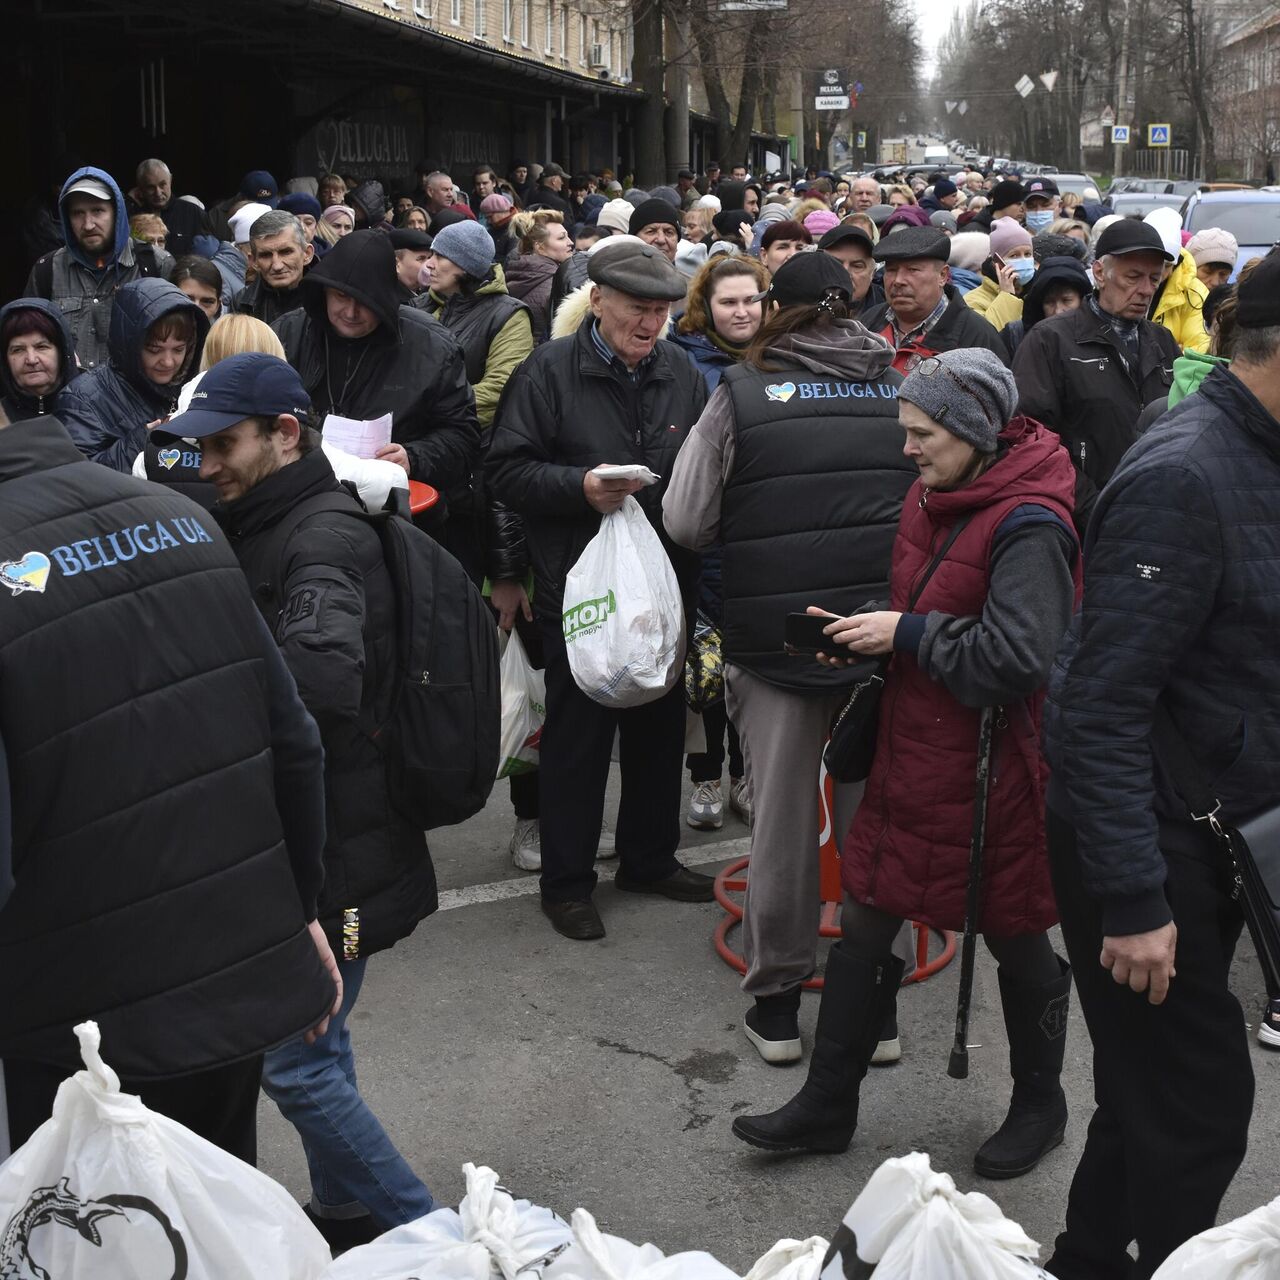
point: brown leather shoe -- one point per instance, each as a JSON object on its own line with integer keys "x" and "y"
{"x": 681, "y": 886}
{"x": 577, "y": 920}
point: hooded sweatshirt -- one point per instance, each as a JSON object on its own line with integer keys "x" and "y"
{"x": 409, "y": 366}
{"x": 84, "y": 288}
{"x": 18, "y": 404}
{"x": 106, "y": 411}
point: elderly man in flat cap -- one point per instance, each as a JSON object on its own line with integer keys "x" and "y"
{"x": 609, "y": 393}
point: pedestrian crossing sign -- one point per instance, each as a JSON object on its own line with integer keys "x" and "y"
{"x": 1158, "y": 135}
{"x": 1119, "y": 134}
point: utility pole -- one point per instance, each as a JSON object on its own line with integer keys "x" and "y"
{"x": 679, "y": 51}
{"x": 1122, "y": 94}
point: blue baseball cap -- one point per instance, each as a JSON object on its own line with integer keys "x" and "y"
{"x": 250, "y": 385}
{"x": 259, "y": 185}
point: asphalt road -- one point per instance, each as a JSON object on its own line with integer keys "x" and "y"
{"x": 606, "y": 1074}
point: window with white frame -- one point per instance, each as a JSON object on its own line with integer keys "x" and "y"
{"x": 455, "y": 12}
{"x": 507, "y": 17}
{"x": 549, "y": 34}
{"x": 564, "y": 33}
{"x": 480, "y": 25}
{"x": 422, "y": 8}
{"x": 526, "y": 22}
{"x": 582, "y": 39}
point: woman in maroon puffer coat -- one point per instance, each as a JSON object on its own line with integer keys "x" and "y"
{"x": 983, "y": 633}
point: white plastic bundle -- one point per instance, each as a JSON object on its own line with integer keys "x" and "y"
{"x": 791, "y": 1260}
{"x": 596, "y": 1256}
{"x": 491, "y": 1234}
{"x": 108, "y": 1189}
{"x": 913, "y": 1224}
{"x": 1246, "y": 1249}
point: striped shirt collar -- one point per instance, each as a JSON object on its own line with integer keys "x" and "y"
{"x": 610, "y": 357}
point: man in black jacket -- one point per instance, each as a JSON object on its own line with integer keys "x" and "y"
{"x": 361, "y": 354}
{"x": 281, "y": 254}
{"x": 609, "y": 393}
{"x": 1088, "y": 374}
{"x": 1181, "y": 604}
{"x": 323, "y": 585}
{"x": 550, "y": 193}
{"x": 922, "y": 313}
{"x": 165, "y": 894}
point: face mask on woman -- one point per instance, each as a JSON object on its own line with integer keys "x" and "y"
{"x": 1039, "y": 219}
{"x": 1023, "y": 268}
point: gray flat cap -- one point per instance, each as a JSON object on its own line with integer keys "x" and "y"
{"x": 637, "y": 269}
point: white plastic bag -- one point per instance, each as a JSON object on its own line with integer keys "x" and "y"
{"x": 914, "y": 1225}
{"x": 596, "y": 1256}
{"x": 490, "y": 1235}
{"x": 1246, "y": 1249}
{"x": 623, "y": 618}
{"x": 524, "y": 710}
{"x": 108, "y": 1189}
{"x": 791, "y": 1260}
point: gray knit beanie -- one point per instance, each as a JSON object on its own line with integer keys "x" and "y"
{"x": 468, "y": 244}
{"x": 969, "y": 392}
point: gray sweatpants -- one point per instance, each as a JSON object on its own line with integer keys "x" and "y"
{"x": 783, "y": 734}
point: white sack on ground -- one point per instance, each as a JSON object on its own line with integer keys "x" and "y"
{"x": 491, "y": 1234}
{"x": 108, "y": 1189}
{"x": 1246, "y": 1249}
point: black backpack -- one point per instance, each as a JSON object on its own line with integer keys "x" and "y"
{"x": 439, "y": 742}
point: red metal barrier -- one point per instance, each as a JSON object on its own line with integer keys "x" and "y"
{"x": 733, "y": 880}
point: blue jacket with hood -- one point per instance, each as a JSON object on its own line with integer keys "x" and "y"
{"x": 83, "y": 287}
{"x": 107, "y": 410}
{"x": 18, "y": 404}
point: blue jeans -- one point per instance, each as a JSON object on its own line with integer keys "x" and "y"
{"x": 355, "y": 1168}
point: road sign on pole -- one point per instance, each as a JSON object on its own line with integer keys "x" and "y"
{"x": 1025, "y": 86}
{"x": 862, "y": 139}
{"x": 1158, "y": 135}
{"x": 831, "y": 102}
{"x": 1119, "y": 134}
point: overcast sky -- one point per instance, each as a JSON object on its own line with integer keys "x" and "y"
{"x": 935, "y": 18}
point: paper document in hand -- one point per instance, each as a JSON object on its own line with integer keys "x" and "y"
{"x": 626, "y": 471}
{"x": 363, "y": 438}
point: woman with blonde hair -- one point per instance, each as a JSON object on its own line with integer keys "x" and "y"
{"x": 696, "y": 224}
{"x": 899, "y": 194}
{"x": 1073, "y": 227}
{"x": 233, "y": 335}
{"x": 336, "y": 221}
{"x": 544, "y": 243}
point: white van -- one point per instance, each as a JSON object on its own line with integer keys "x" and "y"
{"x": 937, "y": 155}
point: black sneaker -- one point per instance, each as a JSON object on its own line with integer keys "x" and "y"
{"x": 772, "y": 1024}
{"x": 1269, "y": 1027}
{"x": 341, "y": 1234}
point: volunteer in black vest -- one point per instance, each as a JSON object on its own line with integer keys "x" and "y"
{"x": 333, "y": 609}
{"x": 796, "y": 466}
{"x": 159, "y": 855}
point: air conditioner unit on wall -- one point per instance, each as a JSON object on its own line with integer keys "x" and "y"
{"x": 599, "y": 62}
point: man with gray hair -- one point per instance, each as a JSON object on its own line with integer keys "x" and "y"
{"x": 440, "y": 194}
{"x": 153, "y": 193}
{"x": 1088, "y": 373}
{"x": 610, "y": 392}
{"x": 280, "y": 253}
{"x": 864, "y": 193}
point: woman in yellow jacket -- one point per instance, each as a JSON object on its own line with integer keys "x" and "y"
{"x": 1011, "y": 242}
{"x": 1179, "y": 302}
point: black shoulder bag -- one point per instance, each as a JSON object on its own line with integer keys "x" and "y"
{"x": 853, "y": 730}
{"x": 1252, "y": 848}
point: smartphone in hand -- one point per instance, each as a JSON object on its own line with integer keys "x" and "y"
{"x": 804, "y": 635}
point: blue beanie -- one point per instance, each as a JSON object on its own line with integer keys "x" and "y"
{"x": 299, "y": 202}
{"x": 467, "y": 244}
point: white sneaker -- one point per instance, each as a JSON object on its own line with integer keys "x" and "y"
{"x": 887, "y": 1053}
{"x": 526, "y": 845}
{"x": 706, "y": 808}
{"x": 1269, "y": 1027}
{"x": 740, "y": 798}
{"x": 607, "y": 848}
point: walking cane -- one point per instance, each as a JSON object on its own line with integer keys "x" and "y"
{"x": 958, "y": 1067}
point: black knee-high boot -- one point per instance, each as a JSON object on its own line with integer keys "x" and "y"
{"x": 856, "y": 997}
{"x": 1035, "y": 1018}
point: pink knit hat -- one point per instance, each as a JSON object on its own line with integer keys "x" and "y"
{"x": 819, "y": 222}
{"x": 495, "y": 203}
{"x": 1008, "y": 233}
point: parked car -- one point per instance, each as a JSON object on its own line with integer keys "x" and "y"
{"x": 1253, "y": 217}
{"x": 1152, "y": 186}
{"x": 1073, "y": 182}
{"x": 1137, "y": 204}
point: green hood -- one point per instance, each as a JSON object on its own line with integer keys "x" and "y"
{"x": 1189, "y": 370}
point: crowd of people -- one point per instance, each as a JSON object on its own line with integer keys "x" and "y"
{"x": 1015, "y": 454}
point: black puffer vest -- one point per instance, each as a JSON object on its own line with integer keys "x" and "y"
{"x": 178, "y": 466}
{"x": 810, "y": 511}
{"x": 153, "y": 891}
{"x": 475, "y": 321}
